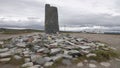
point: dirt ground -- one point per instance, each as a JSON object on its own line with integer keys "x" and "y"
{"x": 112, "y": 40}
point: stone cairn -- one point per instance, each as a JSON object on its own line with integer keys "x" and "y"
{"x": 43, "y": 50}
{"x": 51, "y": 19}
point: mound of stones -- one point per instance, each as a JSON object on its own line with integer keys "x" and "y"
{"x": 43, "y": 50}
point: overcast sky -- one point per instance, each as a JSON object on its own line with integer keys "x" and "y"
{"x": 30, "y": 13}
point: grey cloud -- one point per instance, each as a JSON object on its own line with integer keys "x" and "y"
{"x": 71, "y": 12}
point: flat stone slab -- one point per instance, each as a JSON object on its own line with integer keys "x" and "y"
{"x": 92, "y": 66}
{"x": 66, "y": 62}
{"x": 17, "y": 57}
{"x": 90, "y": 54}
{"x": 4, "y": 50}
{"x": 29, "y": 64}
{"x": 1, "y": 42}
{"x": 6, "y": 54}
{"x": 35, "y": 66}
{"x": 5, "y": 59}
{"x": 21, "y": 45}
{"x": 47, "y": 64}
{"x": 117, "y": 59}
{"x": 106, "y": 64}
{"x": 55, "y": 50}
{"x": 80, "y": 64}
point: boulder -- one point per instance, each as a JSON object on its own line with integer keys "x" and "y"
{"x": 84, "y": 47}
{"x": 20, "y": 50}
{"x": 27, "y": 60}
{"x": 46, "y": 51}
{"x": 35, "y": 66}
{"x": 80, "y": 64}
{"x": 66, "y": 52}
{"x": 106, "y": 64}
{"x": 28, "y": 64}
{"x": 47, "y": 59}
{"x": 4, "y": 50}
{"x": 65, "y": 56}
{"x": 57, "y": 57}
{"x": 117, "y": 59}
{"x": 74, "y": 53}
{"x": 21, "y": 45}
{"x": 41, "y": 50}
{"x": 5, "y": 54}
{"x": 5, "y": 59}
{"x": 1, "y": 42}
{"x": 70, "y": 43}
{"x": 92, "y": 66}
{"x": 90, "y": 54}
{"x": 55, "y": 50}
{"x": 40, "y": 61}
{"x": 66, "y": 62}
{"x": 34, "y": 57}
{"x": 17, "y": 57}
{"x": 26, "y": 53}
{"x": 48, "y": 64}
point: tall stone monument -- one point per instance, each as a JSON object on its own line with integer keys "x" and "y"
{"x": 51, "y": 19}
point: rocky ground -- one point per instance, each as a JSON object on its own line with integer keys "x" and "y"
{"x": 40, "y": 50}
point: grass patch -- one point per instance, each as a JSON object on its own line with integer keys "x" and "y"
{"x": 103, "y": 55}
{"x": 30, "y": 46}
{"x": 1, "y": 46}
{"x": 56, "y": 64}
{"x": 16, "y": 62}
{"x": 79, "y": 59}
{"x": 16, "y": 31}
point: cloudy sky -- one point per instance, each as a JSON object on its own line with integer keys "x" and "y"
{"x": 30, "y": 13}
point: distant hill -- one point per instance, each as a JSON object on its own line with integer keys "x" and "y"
{"x": 17, "y": 31}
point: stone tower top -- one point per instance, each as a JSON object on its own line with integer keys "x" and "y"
{"x": 51, "y": 19}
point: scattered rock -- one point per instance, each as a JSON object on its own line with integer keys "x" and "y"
{"x": 117, "y": 59}
{"x": 1, "y": 42}
{"x": 84, "y": 47}
{"x": 41, "y": 50}
{"x": 5, "y": 59}
{"x": 80, "y": 64}
{"x": 85, "y": 61}
{"x": 17, "y": 57}
{"x": 29, "y": 64}
{"x": 55, "y": 50}
{"x": 90, "y": 54}
{"x": 35, "y": 66}
{"x": 27, "y": 60}
{"x": 74, "y": 53}
{"x": 47, "y": 59}
{"x": 4, "y": 50}
{"x": 67, "y": 56}
{"x": 92, "y": 61}
{"x": 5, "y": 54}
{"x": 57, "y": 57}
{"x": 40, "y": 61}
{"x": 92, "y": 66}
{"x": 35, "y": 57}
{"x": 48, "y": 64}
{"x": 66, "y": 62}
{"x": 21, "y": 45}
{"x": 30, "y": 39}
{"x": 106, "y": 64}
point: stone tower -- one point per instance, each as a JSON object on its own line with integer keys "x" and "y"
{"x": 51, "y": 19}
